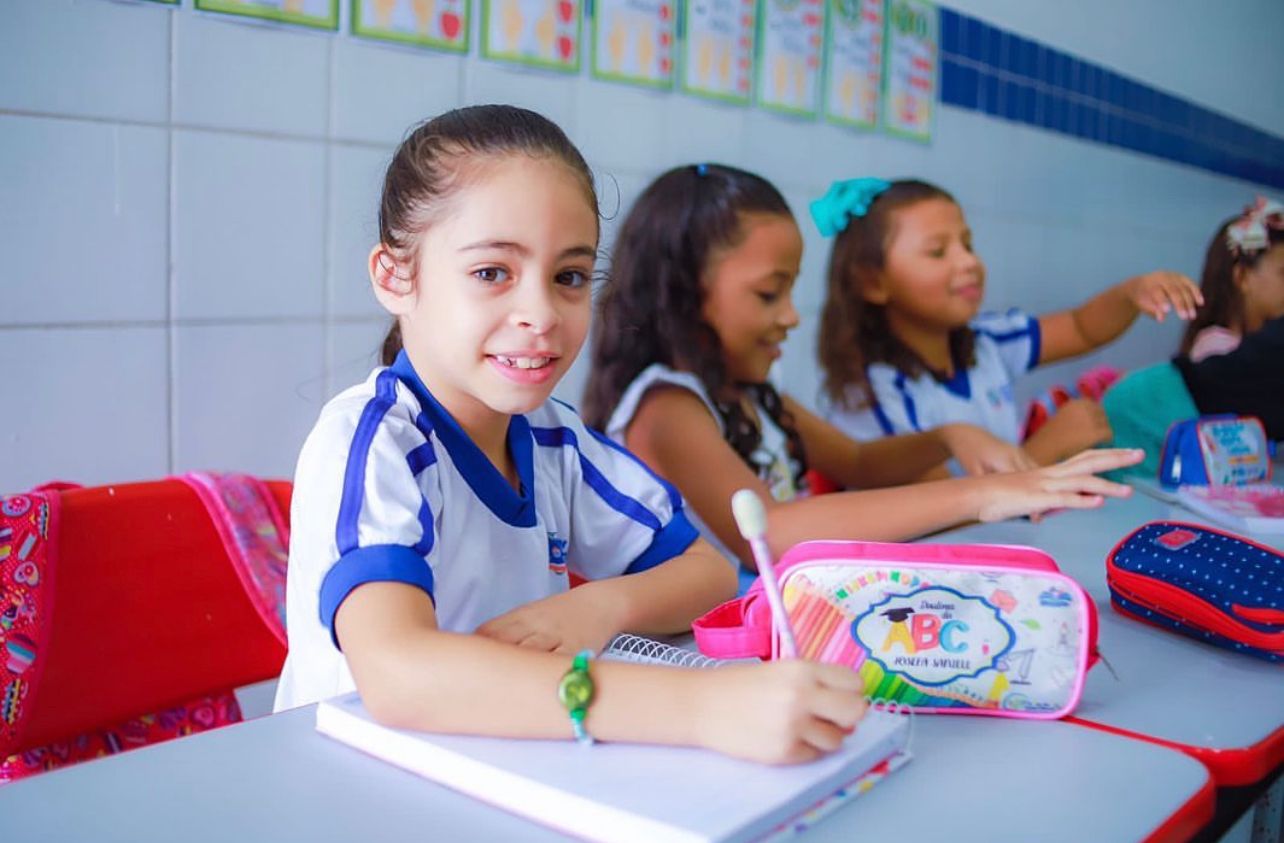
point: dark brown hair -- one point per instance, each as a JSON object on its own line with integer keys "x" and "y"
{"x": 1223, "y": 299}
{"x": 649, "y": 310}
{"x": 853, "y": 331}
{"x": 438, "y": 156}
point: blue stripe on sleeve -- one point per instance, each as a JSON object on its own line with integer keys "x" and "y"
{"x": 883, "y": 421}
{"x": 354, "y": 476}
{"x": 1007, "y": 336}
{"x": 1036, "y": 343}
{"x": 614, "y": 498}
{"x": 675, "y": 538}
{"x": 377, "y": 563}
{"x": 424, "y": 545}
{"x": 911, "y": 413}
{"x": 421, "y": 457}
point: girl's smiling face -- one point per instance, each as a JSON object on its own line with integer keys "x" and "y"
{"x": 748, "y": 291}
{"x": 931, "y": 278}
{"x": 498, "y": 305}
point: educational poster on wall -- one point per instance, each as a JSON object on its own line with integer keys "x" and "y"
{"x": 717, "y": 55}
{"x": 633, "y": 41}
{"x": 854, "y": 62}
{"x": 439, "y": 24}
{"x": 909, "y": 86}
{"x": 322, "y": 14}
{"x": 534, "y": 33}
{"x": 791, "y": 34}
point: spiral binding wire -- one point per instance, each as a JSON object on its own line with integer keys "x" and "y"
{"x": 635, "y": 648}
{"x": 900, "y": 708}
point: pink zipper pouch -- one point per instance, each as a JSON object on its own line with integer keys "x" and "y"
{"x": 959, "y": 629}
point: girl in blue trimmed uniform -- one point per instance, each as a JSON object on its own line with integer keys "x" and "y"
{"x": 440, "y": 506}
{"x": 904, "y": 346}
{"x": 698, "y": 303}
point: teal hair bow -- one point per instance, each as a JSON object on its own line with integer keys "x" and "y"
{"x": 844, "y": 200}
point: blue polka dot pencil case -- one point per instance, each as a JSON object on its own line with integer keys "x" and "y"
{"x": 1213, "y": 586}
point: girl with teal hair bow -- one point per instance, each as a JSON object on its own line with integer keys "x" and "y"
{"x": 903, "y": 343}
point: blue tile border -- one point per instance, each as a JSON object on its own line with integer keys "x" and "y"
{"x": 988, "y": 69}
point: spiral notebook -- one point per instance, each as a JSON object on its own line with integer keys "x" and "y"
{"x": 1253, "y": 508}
{"x": 632, "y": 793}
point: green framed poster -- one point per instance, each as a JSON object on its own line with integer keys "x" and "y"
{"x": 437, "y": 24}
{"x": 319, "y": 14}
{"x": 911, "y": 37}
{"x": 854, "y": 62}
{"x": 533, "y": 33}
{"x": 634, "y": 41}
{"x": 791, "y": 35}
{"x": 718, "y": 49}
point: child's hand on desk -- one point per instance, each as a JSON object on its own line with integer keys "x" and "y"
{"x": 564, "y": 623}
{"x": 782, "y": 712}
{"x": 1071, "y": 484}
{"x": 981, "y": 452}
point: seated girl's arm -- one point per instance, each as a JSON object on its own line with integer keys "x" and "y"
{"x": 663, "y": 600}
{"x": 412, "y": 675}
{"x": 1105, "y": 316}
{"x": 708, "y": 471}
{"x": 906, "y": 458}
{"x": 1078, "y": 424}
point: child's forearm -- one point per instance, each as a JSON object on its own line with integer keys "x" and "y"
{"x": 880, "y": 515}
{"x": 665, "y": 599}
{"x": 465, "y": 684}
{"x": 895, "y": 460}
{"x": 1105, "y": 316}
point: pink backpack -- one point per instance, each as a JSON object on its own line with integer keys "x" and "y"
{"x": 962, "y": 629}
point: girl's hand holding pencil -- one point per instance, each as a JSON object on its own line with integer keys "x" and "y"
{"x": 781, "y": 712}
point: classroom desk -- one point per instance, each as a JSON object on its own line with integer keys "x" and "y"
{"x": 277, "y": 779}
{"x": 1225, "y": 709}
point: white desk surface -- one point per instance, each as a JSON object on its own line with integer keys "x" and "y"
{"x": 276, "y": 779}
{"x": 1167, "y": 686}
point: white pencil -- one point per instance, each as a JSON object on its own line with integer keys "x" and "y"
{"x": 751, "y": 518}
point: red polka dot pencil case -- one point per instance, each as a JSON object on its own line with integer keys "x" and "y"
{"x": 1217, "y": 587}
{"x": 962, "y": 629}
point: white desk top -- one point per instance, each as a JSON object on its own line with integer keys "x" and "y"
{"x": 276, "y": 779}
{"x": 1168, "y": 686}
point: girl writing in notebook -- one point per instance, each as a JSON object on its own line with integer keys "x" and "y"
{"x": 693, "y": 315}
{"x": 439, "y": 506}
{"x": 904, "y": 346}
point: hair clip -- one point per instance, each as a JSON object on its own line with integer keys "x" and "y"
{"x": 1250, "y": 233}
{"x": 844, "y": 200}
{"x": 702, "y": 169}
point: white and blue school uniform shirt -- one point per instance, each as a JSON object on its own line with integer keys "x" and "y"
{"x": 771, "y": 460}
{"x": 389, "y": 487}
{"x": 1007, "y": 346}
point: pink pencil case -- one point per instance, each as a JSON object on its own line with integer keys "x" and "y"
{"x": 959, "y": 629}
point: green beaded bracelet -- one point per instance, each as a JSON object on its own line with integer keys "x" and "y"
{"x": 575, "y": 691}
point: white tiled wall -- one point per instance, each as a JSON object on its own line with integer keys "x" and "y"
{"x": 187, "y": 201}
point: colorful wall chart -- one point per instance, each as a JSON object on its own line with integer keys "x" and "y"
{"x": 322, "y": 14}
{"x": 633, "y": 41}
{"x": 440, "y": 24}
{"x": 717, "y": 57}
{"x": 535, "y": 33}
{"x": 909, "y": 78}
{"x": 791, "y": 34}
{"x": 854, "y": 62}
